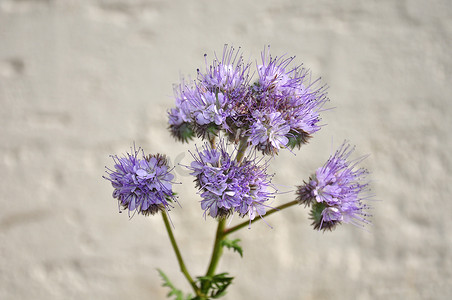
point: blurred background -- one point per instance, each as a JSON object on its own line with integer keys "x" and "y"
{"x": 83, "y": 79}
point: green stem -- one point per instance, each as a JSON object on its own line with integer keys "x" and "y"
{"x": 242, "y": 148}
{"x": 217, "y": 250}
{"x": 183, "y": 268}
{"x": 271, "y": 211}
{"x": 212, "y": 141}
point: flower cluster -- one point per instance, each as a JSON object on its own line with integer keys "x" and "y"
{"x": 227, "y": 185}
{"x": 203, "y": 107}
{"x": 280, "y": 109}
{"x": 336, "y": 192}
{"x": 142, "y": 183}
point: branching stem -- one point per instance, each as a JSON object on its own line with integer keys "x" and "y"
{"x": 271, "y": 211}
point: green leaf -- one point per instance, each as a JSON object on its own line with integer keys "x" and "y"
{"x": 234, "y": 245}
{"x": 216, "y": 284}
{"x": 178, "y": 294}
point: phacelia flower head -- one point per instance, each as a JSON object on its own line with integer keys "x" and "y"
{"x": 142, "y": 183}
{"x": 288, "y": 91}
{"x": 180, "y": 118}
{"x": 336, "y": 192}
{"x": 228, "y": 186}
{"x": 279, "y": 109}
{"x": 199, "y": 111}
{"x": 205, "y": 105}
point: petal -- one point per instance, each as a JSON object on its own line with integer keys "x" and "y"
{"x": 141, "y": 173}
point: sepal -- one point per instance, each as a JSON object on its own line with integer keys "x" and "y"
{"x": 296, "y": 139}
{"x": 319, "y": 221}
{"x": 183, "y": 132}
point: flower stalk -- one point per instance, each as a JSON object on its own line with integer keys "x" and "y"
{"x": 242, "y": 148}
{"x": 217, "y": 248}
{"x": 180, "y": 260}
{"x": 269, "y": 212}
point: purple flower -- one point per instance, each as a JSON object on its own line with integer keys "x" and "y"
{"x": 203, "y": 110}
{"x": 227, "y": 185}
{"x": 274, "y": 77}
{"x": 142, "y": 183}
{"x": 206, "y": 107}
{"x": 228, "y": 75}
{"x": 269, "y": 132}
{"x": 180, "y": 119}
{"x": 279, "y": 110}
{"x": 336, "y": 191}
{"x": 288, "y": 90}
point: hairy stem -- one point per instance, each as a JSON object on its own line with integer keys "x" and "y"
{"x": 271, "y": 211}
{"x": 212, "y": 141}
{"x": 242, "y": 148}
{"x": 183, "y": 268}
{"x": 217, "y": 250}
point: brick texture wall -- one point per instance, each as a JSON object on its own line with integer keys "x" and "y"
{"x": 80, "y": 80}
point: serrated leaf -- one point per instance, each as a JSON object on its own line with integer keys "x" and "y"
{"x": 216, "y": 284}
{"x": 178, "y": 294}
{"x": 234, "y": 245}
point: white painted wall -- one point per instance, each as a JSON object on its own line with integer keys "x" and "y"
{"x": 80, "y": 80}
